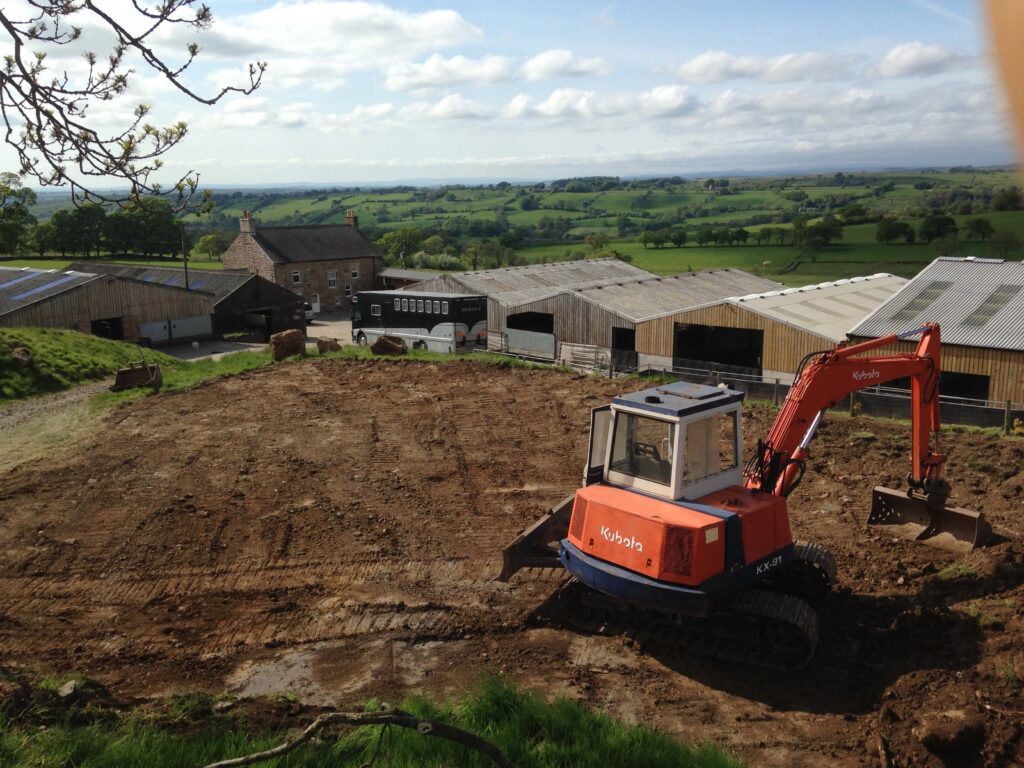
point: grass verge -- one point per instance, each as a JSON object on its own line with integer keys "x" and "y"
{"x": 531, "y": 732}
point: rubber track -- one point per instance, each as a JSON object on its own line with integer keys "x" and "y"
{"x": 818, "y": 556}
{"x": 747, "y": 631}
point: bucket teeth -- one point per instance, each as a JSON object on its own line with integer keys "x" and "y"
{"x": 928, "y": 520}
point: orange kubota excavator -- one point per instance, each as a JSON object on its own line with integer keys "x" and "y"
{"x": 668, "y": 521}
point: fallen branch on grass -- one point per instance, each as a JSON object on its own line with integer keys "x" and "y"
{"x": 421, "y": 725}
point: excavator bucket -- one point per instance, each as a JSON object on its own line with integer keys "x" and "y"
{"x": 928, "y": 520}
{"x": 137, "y": 375}
{"x": 531, "y": 548}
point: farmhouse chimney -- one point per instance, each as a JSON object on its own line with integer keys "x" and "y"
{"x": 351, "y": 220}
{"x": 246, "y": 224}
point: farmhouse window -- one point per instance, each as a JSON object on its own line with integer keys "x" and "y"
{"x": 398, "y": 305}
{"x": 348, "y": 290}
{"x": 419, "y": 305}
{"x": 437, "y": 307}
{"x": 375, "y": 310}
{"x": 355, "y": 270}
{"x": 296, "y": 276}
{"x": 332, "y": 278}
{"x": 444, "y": 307}
{"x": 405, "y": 305}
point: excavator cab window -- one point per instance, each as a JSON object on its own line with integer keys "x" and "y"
{"x": 711, "y": 446}
{"x": 642, "y": 448}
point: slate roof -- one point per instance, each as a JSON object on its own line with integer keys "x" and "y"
{"x": 220, "y": 283}
{"x": 22, "y": 287}
{"x": 976, "y": 302}
{"x": 286, "y": 245}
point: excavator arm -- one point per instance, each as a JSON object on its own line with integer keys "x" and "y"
{"x": 778, "y": 464}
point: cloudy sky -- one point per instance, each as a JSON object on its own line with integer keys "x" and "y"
{"x": 367, "y": 91}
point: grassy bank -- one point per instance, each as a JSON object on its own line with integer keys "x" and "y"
{"x": 61, "y": 359}
{"x": 531, "y": 732}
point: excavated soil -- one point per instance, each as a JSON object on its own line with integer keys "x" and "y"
{"x": 333, "y": 529}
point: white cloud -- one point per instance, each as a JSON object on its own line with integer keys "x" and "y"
{"x": 720, "y": 66}
{"x": 562, "y": 63}
{"x": 571, "y": 103}
{"x": 456, "y": 107}
{"x": 917, "y": 59}
{"x": 437, "y": 71}
{"x": 326, "y": 41}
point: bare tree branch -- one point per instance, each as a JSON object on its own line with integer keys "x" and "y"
{"x": 424, "y": 726}
{"x": 46, "y": 115}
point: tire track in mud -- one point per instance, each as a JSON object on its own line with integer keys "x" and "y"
{"x": 307, "y": 618}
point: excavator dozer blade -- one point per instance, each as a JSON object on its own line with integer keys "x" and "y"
{"x": 928, "y": 520}
{"x": 530, "y": 549}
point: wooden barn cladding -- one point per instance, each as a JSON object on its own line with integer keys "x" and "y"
{"x": 784, "y": 345}
{"x": 103, "y": 304}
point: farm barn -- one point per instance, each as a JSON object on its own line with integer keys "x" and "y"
{"x": 766, "y": 333}
{"x": 242, "y": 302}
{"x": 574, "y": 324}
{"x": 104, "y": 305}
{"x": 580, "y": 311}
{"x": 393, "y": 278}
{"x": 979, "y": 304}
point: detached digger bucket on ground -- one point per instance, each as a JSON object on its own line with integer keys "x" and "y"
{"x": 928, "y": 520}
{"x": 137, "y": 375}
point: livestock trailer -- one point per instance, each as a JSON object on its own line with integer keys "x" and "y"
{"x": 440, "y": 322}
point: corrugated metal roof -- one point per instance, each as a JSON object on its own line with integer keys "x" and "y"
{"x": 408, "y": 274}
{"x": 828, "y": 309}
{"x": 221, "y": 284}
{"x": 515, "y": 285}
{"x": 640, "y": 299}
{"x": 974, "y": 301}
{"x": 22, "y": 287}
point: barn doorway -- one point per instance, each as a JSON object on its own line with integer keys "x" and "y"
{"x": 624, "y": 348}
{"x": 736, "y": 349}
{"x": 531, "y": 334}
{"x": 953, "y": 384}
{"x": 109, "y": 328}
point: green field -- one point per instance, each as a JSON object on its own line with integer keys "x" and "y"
{"x": 50, "y": 263}
{"x": 562, "y": 214}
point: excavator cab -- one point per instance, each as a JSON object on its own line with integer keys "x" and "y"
{"x": 674, "y": 442}
{"x": 679, "y": 441}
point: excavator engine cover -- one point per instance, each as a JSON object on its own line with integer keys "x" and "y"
{"x": 928, "y": 520}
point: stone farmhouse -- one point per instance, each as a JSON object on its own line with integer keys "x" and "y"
{"x": 326, "y": 264}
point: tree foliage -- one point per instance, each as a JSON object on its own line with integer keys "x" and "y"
{"x": 46, "y": 110}
{"x": 15, "y": 217}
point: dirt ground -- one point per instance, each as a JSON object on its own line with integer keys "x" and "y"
{"x": 333, "y": 529}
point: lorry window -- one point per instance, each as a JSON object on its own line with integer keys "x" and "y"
{"x": 437, "y": 307}
{"x": 398, "y": 304}
{"x": 405, "y": 305}
{"x": 426, "y": 305}
{"x": 375, "y": 310}
{"x": 642, "y": 447}
{"x": 419, "y": 305}
{"x": 444, "y": 307}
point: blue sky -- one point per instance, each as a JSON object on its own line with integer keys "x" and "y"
{"x": 373, "y": 92}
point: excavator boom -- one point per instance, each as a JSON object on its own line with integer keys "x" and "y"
{"x": 920, "y": 513}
